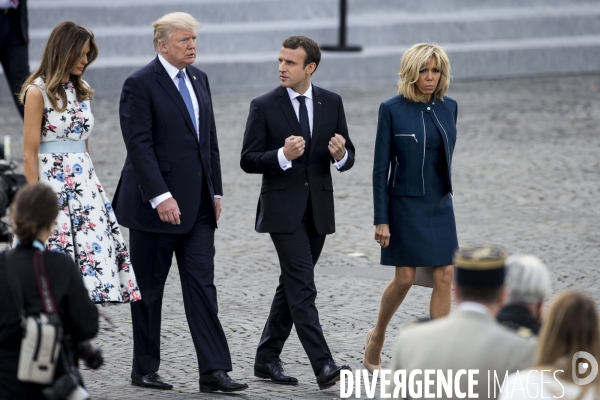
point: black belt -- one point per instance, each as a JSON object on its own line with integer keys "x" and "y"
{"x": 7, "y": 10}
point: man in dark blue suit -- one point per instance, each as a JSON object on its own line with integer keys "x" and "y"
{"x": 169, "y": 198}
{"x": 293, "y": 135}
{"x": 14, "y": 45}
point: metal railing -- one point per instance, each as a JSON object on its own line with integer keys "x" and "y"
{"x": 342, "y": 45}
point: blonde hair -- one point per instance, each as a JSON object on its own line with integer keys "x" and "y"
{"x": 62, "y": 53}
{"x": 165, "y": 25}
{"x": 413, "y": 60}
{"x": 571, "y": 325}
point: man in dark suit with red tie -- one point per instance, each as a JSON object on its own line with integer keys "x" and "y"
{"x": 169, "y": 198}
{"x": 14, "y": 45}
{"x": 293, "y": 135}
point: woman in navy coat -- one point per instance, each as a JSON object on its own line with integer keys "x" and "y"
{"x": 412, "y": 186}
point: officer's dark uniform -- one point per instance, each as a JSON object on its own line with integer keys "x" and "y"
{"x": 519, "y": 319}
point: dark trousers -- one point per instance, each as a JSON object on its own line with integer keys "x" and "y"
{"x": 14, "y": 54}
{"x": 294, "y": 301}
{"x": 151, "y": 255}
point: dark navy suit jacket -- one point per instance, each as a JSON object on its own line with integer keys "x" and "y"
{"x": 163, "y": 152}
{"x": 400, "y": 148}
{"x": 284, "y": 194}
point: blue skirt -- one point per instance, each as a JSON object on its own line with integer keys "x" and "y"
{"x": 422, "y": 231}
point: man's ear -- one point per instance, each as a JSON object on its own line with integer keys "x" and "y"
{"x": 310, "y": 68}
{"x": 162, "y": 47}
{"x": 503, "y": 295}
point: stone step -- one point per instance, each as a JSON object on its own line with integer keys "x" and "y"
{"x": 95, "y": 13}
{"x": 142, "y": 13}
{"x": 412, "y": 6}
{"x": 239, "y": 39}
{"x": 374, "y": 29}
{"x": 380, "y": 64}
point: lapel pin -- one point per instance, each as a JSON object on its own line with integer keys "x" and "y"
{"x": 194, "y": 77}
{"x": 318, "y": 102}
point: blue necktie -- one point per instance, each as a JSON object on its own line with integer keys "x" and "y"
{"x": 187, "y": 99}
{"x": 304, "y": 122}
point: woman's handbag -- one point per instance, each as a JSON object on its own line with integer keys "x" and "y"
{"x": 424, "y": 277}
{"x": 42, "y": 333}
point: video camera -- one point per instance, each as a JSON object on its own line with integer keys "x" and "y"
{"x": 9, "y": 184}
{"x": 70, "y": 385}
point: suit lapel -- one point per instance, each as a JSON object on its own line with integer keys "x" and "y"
{"x": 202, "y": 115}
{"x": 317, "y": 118}
{"x": 167, "y": 83}
{"x": 288, "y": 110}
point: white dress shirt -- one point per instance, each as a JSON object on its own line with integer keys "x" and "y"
{"x": 284, "y": 163}
{"x": 172, "y": 71}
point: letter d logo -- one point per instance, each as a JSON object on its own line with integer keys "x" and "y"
{"x": 580, "y": 369}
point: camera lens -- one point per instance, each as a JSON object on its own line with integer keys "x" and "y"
{"x": 91, "y": 356}
{"x": 63, "y": 386}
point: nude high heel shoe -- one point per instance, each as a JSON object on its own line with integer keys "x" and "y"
{"x": 370, "y": 367}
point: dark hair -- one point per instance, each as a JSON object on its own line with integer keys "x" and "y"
{"x": 62, "y": 53}
{"x": 480, "y": 294}
{"x": 34, "y": 208}
{"x": 313, "y": 52}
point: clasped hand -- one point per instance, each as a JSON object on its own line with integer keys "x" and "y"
{"x": 295, "y": 145}
{"x": 337, "y": 147}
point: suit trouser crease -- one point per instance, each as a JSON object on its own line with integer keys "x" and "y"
{"x": 294, "y": 300}
{"x": 194, "y": 252}
{"x": 14, "y": 55}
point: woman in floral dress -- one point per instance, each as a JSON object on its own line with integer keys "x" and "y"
{"x": 58, "y": 121}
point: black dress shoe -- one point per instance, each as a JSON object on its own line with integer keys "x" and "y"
{"x": 329, "y": 374}
{"x": 219, "y": 380}
{"x": 152, "y": 381}
{"x": 274, "y": 371}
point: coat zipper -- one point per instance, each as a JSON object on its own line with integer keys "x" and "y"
{"x": 447, "y": 144}
{"x": 411, "y": 135}
{"x": 424, "y": 146}
{"x": 395, "y": 169}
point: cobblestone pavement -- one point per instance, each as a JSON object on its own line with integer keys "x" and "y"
{"x": 526, "y": 173}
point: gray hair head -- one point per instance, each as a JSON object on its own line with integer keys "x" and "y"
{"x": 527, "y": 279}
{"x": 165, "y": 25}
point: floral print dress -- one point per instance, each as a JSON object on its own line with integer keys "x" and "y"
{"x": 86, "y": 227}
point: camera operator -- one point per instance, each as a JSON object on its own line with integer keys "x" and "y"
{"x": 33, "y": 213}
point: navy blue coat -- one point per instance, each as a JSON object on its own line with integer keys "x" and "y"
{"x": 400, "y": 148}
{"x": 163, "y": 152}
